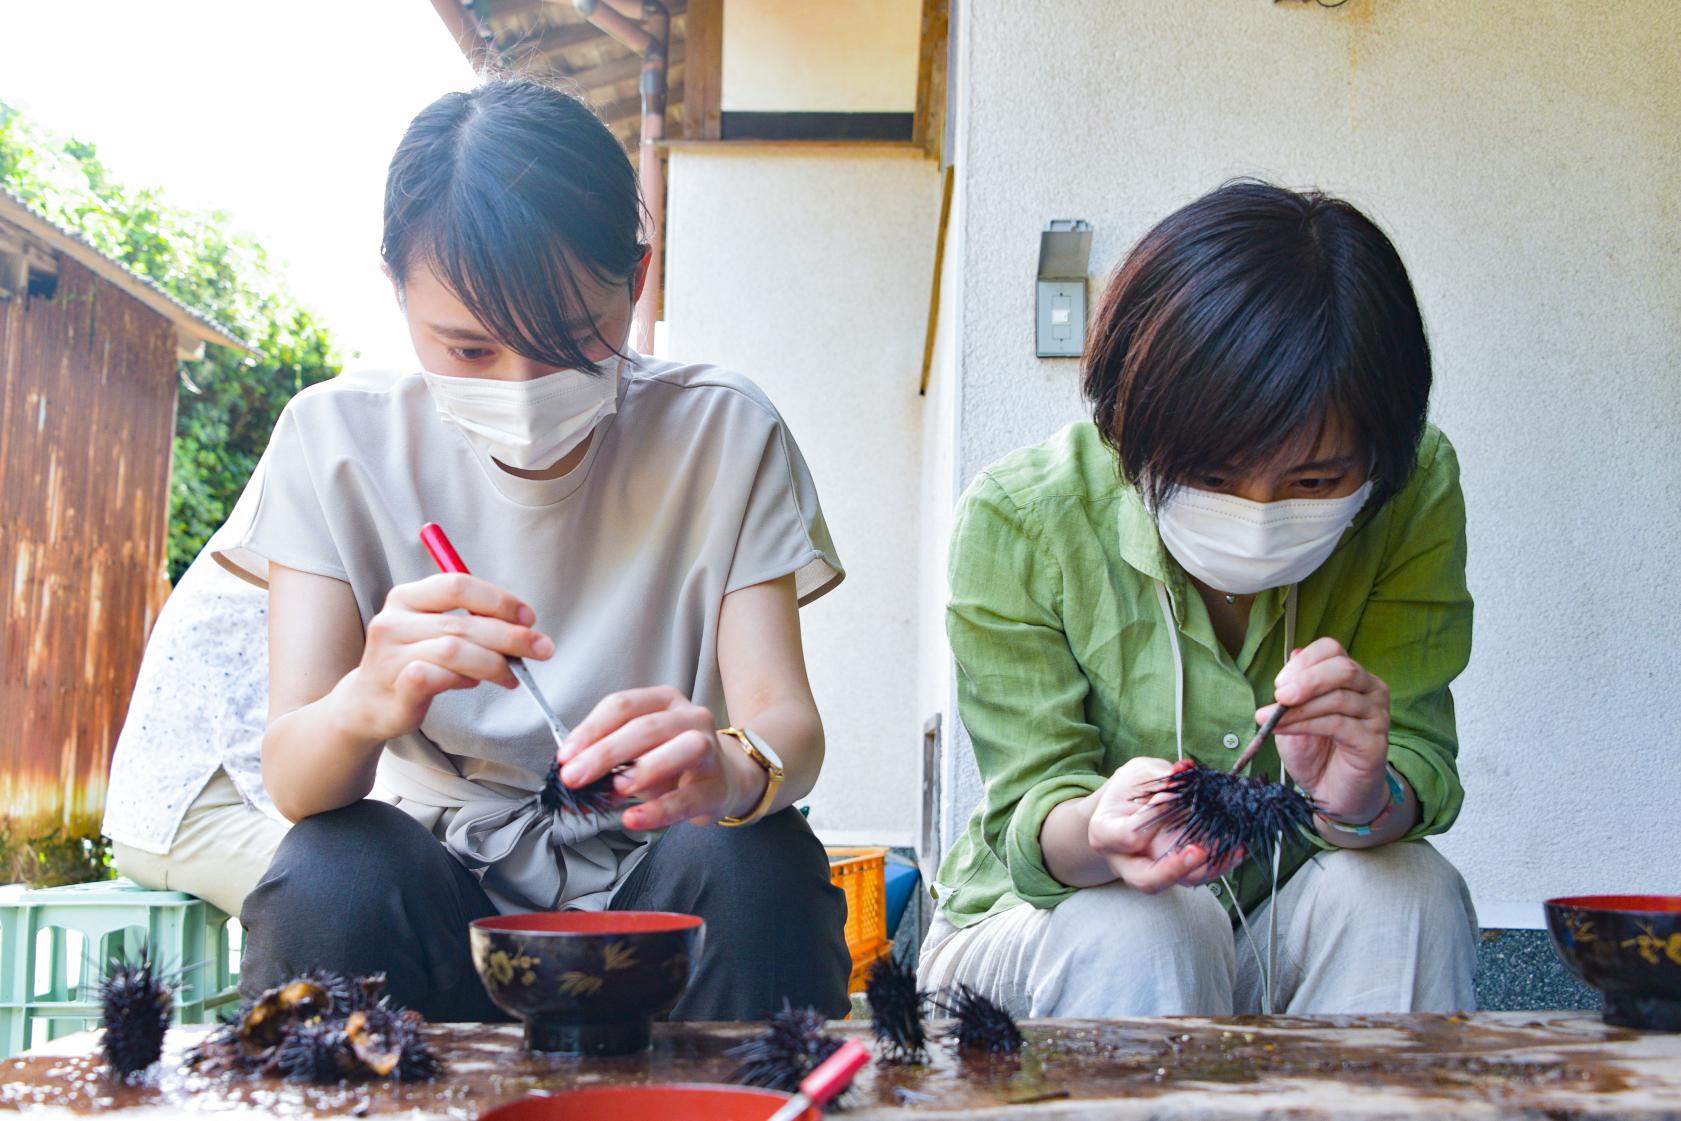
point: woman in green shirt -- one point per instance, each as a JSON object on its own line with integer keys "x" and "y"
{"x": 1258, "y": 510}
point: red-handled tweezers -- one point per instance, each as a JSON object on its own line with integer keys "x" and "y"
{"x": 437, "y": 543}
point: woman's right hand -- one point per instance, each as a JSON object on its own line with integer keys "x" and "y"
{"x": 1126, "y": 830}
{"x": 418, "y": 647}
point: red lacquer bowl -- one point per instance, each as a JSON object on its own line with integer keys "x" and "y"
{"x": 587, "y": 982}
{"x": 648, "y": 1103}
{"x": 1629, "y": 948}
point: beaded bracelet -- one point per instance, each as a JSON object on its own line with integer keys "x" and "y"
{"x": 1397, "y": 795}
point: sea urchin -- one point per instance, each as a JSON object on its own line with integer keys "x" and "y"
{"x": 982, "y": 1025}
{"x": 388, "y": 1042}
{"x": 896, "y": 1011}
{"x": 135, "y": 1005}
{"x": 792, "y": 1045}
{"x": 315, "y": 1051}
{"x": 1227, "y": 813}
{"x": 324, "y": 1029}
{"x": 593, "y": 797}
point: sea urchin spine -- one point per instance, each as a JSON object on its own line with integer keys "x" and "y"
{"x": 982, "y": 1025}
{"x": 593, "y": 797}
{"x": 792, "y": 1045}
{"x": 388, "y": 1042}
{"x": 1226, "y": 813}
{"x": 135, "y": 1006}
{"x": 315, "y": 1051}
{"x": 322, "y": 1028}
{"x": 896, "y": 1011}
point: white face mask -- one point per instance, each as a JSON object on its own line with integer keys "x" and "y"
{"x": 1241, "y": 547}
{"x": 528, "y": 424}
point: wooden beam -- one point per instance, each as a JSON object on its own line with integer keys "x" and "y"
{"x": 475, "y": 42}
{"x": 703, "y": 95}
{"x": 939, "y": 272}
{"x": 605, "y": 74}
{"x": 624, "y": 110}
{"x": 617, "y": 110}
{"x": 558, "y": 36}
{"x": 931, "y": 76}
{"x": 597, "y": 89}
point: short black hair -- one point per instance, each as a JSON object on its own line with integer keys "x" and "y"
{"x": 503, "y": 191}
{"x": 1247, "y": 318}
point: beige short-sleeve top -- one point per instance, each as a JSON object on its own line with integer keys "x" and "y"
{"x": 693, "y": 489}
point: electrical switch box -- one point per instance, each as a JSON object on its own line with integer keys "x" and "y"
{"x": 1062, "y": 318}
{"x": 1064, "y": 253}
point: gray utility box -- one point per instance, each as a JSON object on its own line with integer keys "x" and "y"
{"x": 1060, "y": 306}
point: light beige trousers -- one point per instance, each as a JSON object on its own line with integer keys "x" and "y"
{"x": 220, "y": 852}
{"x": 1389, "y": 929}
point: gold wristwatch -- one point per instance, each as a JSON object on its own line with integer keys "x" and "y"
{"x": 765, "y": 756}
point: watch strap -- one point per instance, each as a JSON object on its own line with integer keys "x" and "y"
{"x": 773, "y": 778}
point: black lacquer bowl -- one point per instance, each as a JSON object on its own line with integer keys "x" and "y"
{"x": 587, "y": 982}
{"x": 1629, "y": 948}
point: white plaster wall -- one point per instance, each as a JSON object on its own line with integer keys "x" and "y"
{"x": 938, "y": 495}
{"x": 835, "y": 56}
{"x": 1526, "y": 159}
{"x": 809, "y": 271}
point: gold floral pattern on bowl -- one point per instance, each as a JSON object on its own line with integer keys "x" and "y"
{"x": 1629, "y": 948}
{"x": 586, "y": 982}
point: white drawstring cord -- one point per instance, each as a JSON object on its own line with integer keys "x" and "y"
{"x": 1278, "y": 848}
{"x": 1266, "y": 968}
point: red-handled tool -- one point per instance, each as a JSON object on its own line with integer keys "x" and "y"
{"x": 824, "y": 1084}
{"x": 437, "y": 543}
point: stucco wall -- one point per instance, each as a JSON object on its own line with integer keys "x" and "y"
{"x": 837, "y": 56}
{"x": 1526, "y": 159}
{"x": 808, "y": 270}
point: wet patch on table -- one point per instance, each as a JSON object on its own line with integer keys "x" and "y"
{"x": 1534, "y": 1060}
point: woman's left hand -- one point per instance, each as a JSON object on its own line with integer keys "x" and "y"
{"x": 678, "y": 765}
{"x": 1334, "y": 741}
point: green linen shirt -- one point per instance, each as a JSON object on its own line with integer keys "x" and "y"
{"x": 1065, "y": 670}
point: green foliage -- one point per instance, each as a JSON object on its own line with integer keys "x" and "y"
{"x": 62, "y": 855}
{"x": 229, "y": 400}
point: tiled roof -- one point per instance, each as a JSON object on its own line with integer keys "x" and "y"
{"x": 195, "y": 324}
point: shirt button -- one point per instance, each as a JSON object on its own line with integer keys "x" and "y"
{"x": 1231, "y": 741}
{"x": 1215, "y": 888}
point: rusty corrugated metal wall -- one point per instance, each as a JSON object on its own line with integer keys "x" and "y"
{"x": 87, "y": 414}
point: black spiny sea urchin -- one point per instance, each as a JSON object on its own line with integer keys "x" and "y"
{"x": 1227, "y": 813}
{"x": 896, "y": 1011}
{"x": 322, "y": 1028}
{"x": 388, "y": 1042}
{"x": 135, "y": 1005}
{"x": 594, "y": 797}
{"x": 792, "y": 1045}
{"x": 315, "y": 1051}
{"x": 982, "y": 1025}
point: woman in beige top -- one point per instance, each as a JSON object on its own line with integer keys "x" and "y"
{"x": 641, "y": 532}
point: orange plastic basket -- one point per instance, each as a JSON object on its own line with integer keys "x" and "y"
{"x": 862, "y": 874}
{"x": 861, "y": 969}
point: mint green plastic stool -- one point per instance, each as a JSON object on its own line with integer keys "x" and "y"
{"x": 187, "y": 936}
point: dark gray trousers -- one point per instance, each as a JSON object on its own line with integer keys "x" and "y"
{"x": 366, "y": 889}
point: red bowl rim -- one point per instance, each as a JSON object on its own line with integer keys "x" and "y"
{"x": 590, "y": 924}
{"x": 772, "y": 1098}
{"x": 1621, "y": 904}
{"x": 682, "y": 1087}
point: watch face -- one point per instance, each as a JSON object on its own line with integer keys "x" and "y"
{"x": 765, "y": 749}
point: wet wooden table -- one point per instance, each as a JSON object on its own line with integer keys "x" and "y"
{"x": 1486, "y": 1065}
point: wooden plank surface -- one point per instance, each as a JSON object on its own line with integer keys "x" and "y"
{"x": 87, "y": 415}
{"x": 1481, "y": 1066}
